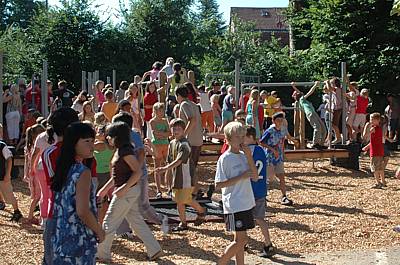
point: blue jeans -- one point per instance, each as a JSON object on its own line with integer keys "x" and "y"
{"x": 49, "y": 226}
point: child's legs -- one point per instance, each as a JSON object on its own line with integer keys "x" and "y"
{"x": 236, "y": 248}
{"x": 158, "y": 163}
{"x": 7, "y": 190}
{"x": 195, "y": 205}
{"x": 146, "y": 209}
{"x": 279, "y": 171}
{"x": 45, "y": 192}
{"x": 137, "y": 223}
{"x": 259, "y": 216}
{"x": 377, "y": 167}
{"x": 182, "y": 212}
{"x": 117, "y": 210}
{"x": 210, "y": 121}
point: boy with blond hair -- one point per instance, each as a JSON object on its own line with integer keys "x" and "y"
{"x": 235, "y": 167}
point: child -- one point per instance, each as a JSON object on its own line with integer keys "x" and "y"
{"x": 150, "y": 98}
{"x": 207, "y": 120}
{"x": 181, "y": 164}
{"x": 160, "y": 131}
{"x": 228, "y": 106}
{"x": 252, "y": 111}
{"x": 134, "y": 99}
{"x": 216, "y": 109}
{"x": 235, "y": 167}
{"x": 103, "y": 153}
{"x": 272, "y": 141}
{"x": 259, "y": 188}
{"x": 109, "y": 108}
{"x": 125, "y": 175}
{"x": 376, "y": 150}
{"x": 360, "y": 112}
{"x": 87, "y": 113}
{"x": 273, "y": 104}
{"x": 75, "y": 199}
{"x": 6, "y": 189}
{"x": 315, "y": 121}
{"x": 34, "y": 186}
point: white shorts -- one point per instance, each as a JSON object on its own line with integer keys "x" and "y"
{"x": 359, "y": 120}
{"x": 351, "y": 116}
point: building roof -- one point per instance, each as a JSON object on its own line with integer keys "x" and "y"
{"x": 264, "y": 18}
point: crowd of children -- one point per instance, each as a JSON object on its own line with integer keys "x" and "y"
{"x": 86, "y": 163}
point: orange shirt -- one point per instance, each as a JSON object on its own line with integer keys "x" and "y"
{"x": 110, "y": 109}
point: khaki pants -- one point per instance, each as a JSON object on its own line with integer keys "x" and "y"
{"x": 127, "y": 208}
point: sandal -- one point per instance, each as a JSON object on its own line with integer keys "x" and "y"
{"x": 201, "y": 218}
{"x": 180, "y": 227}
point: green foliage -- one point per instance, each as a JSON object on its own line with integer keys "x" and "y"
{"x": 396, "y": 8}
{"x": 18, "y": 12}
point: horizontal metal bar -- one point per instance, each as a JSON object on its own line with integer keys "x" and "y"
{"x": 277, "y": 84}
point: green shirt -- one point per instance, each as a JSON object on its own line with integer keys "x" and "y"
{"x": 103, "y": 159}
{"x": 306, "y": 106}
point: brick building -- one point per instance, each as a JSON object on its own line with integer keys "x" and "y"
{"x": 269, "y": 21}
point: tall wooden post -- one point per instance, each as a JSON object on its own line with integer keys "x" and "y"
{"x": 296, "y": 119}
{"x": 83, "y": 82}
{"x": 1, "y": 87}
{"x": 344, "y": 89}
{"x": 237, "y": 81}
{"x": 44, "y": 91}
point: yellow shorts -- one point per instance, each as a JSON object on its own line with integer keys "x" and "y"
{"x": 182, "y": 195}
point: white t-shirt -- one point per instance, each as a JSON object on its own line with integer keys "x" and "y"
{"x": 41, "y": 143}
{"x": 238, "y": 197}
{"x": 6, "y": 152}
{"x": 321, "y": 109}
{"x": 205, "y": 103}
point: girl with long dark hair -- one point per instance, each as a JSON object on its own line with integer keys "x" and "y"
{"x": 74, "y": 190}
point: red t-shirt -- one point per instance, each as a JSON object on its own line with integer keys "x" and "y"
{"x": 376, "y": 144}
{"x": 362, "y": 105}
{"x": 149, "y": 99}
{"x": 36, "y": 97}
{"x": 246, "y": 99}
{"x": 224, "y": 147}
{"x": 49, "y": 158}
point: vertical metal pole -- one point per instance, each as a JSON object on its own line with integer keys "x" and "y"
{"x": 237, "y": 81}
{"x": 108, "y": 80}
{"x": 1, "y": 87}
{"x": 96, "y": 76}
{"x": 114, "y": 80}
{"x": 90, "y": 76}
{"x": 83, "y": 86}
{"x": 44, "y": 91}
{"x": 344, "y": 89}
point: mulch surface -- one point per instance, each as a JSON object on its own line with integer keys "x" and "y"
{"x": 335, "y": 209}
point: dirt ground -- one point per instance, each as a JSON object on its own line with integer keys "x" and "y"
{"x": 335, "y": 209}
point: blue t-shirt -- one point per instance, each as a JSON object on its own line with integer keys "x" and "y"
{"x": 273, "y": 138}
{"x": 138, "y": 144}
{"x": 227, "y": 105}
{"x": 259, "y": 186}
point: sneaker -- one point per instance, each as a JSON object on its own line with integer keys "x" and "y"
{"x": 286, "y": 201}
{"x": 157, "y": 255}
{"x": 2, "y": 206}
{"x": 377, "y": 186}
{"x": 17, "y": 215}
{"x": 169, "y": 194}
{"x": 165, "y": 225}
{"x": 180, "y": 227}
{"x": 396, "y": 228}
{"x": 159, "y": 195}
{"x": 201, "y": 218}
{"x": 127, "y": 235}
{"x": 268, "y": 251}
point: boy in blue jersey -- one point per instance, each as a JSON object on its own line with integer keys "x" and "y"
{"x": 273, "y": 143}
{"x": 259, "y": 188}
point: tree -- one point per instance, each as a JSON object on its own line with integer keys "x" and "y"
{"x": 396, "y": 8}
{"x": 361, "y": 33}
{"x": 68, "y": 36}
{"x": 161, "y": 28}
{"x": 18, "y": 12}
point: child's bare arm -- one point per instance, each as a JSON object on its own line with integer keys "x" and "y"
{"x": 233, "y": 181}
{"x": 294, "y": 87}
{"x": 169, "y": 166}
{"x": 312, "y": 90}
